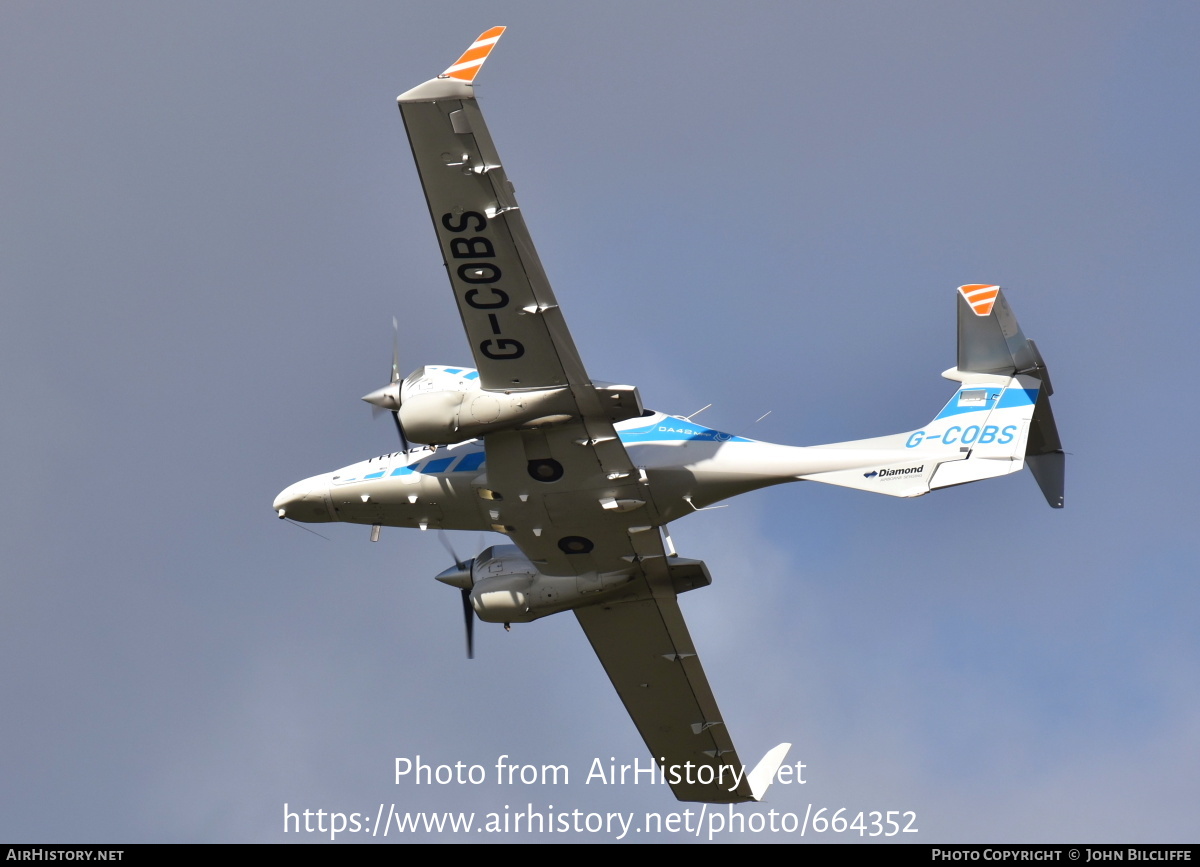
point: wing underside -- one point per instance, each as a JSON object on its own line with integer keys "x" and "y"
{"x": 517, "y": 334}
{"x": 567, "y": 493}
{"x": 648, "y": 655}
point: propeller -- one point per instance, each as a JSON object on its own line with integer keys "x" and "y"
{"x": 388, "y": 397}
{"x": 469, "y": 623}
{"x": 460, "y": 576}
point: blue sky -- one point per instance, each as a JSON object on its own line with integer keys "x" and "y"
{"x": 211, "y": 215}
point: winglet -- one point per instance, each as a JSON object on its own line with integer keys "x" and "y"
{"x": 456, "y": 82}
{"x": 763, "y": 775}
{"x": 467, "y": 66}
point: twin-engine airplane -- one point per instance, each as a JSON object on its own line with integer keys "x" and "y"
{"x": 583, "y": 480}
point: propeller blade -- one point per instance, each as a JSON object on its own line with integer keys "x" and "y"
{"x": 400, "y": 430}
{"x": 396, "y": 379}
{"x": 444, "y": 538}
{"x": 469, "y": 622}
{"x": 462, "y": 581}
{"x": 388, "y": 397}
{"x": 395, "y": 350}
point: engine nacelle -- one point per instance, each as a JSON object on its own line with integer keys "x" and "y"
{"x": 441, "y": 405}
{"x": 507, "y": 588}
{"x": 446, "y": 417}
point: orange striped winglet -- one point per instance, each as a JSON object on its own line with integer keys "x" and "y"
{"x": 980, "y": 296}
{"x": 466, "y": 67}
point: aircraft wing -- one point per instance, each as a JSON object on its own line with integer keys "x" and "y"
{"x": 567, "y": 493}
{"x": 647, "y": 652}
{"x": 518, "y": 337}
{"x": 516, "y": 331}
{"x": 638, "y": 631}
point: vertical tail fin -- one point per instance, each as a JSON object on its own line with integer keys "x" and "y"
{"x": 997, "y": 420}
{"x": 990, "y": 341}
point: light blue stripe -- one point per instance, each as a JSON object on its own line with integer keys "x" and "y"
{"x": 1012, "y": 397}
{"x": 1018, "y": 397}
{"x": 672, "y": 429}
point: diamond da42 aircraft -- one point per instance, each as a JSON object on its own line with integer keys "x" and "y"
{"x": 583, "y": 480}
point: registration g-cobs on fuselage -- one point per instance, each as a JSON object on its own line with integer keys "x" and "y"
{"x": 583, "y": 479}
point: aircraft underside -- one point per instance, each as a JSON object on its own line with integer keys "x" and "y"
{"x": 582, "y": 480}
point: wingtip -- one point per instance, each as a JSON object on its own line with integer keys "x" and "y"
{"x": 457, "y": 82}
{"x": 763, "y": 775}
{"x": 468, "y": 65}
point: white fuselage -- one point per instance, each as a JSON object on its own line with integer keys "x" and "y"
{"x": 686, "y": 465}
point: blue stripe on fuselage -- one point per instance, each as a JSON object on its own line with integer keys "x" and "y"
{"x": 1009, "y": 398}
{"x": 468, "y": 463}
{"x": 673, "y": 429}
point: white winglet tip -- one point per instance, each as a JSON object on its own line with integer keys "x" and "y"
{"x": 763, "y": 775}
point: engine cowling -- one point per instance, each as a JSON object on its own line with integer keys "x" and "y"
{"x": 506, "y": 587}
{"x": 444, "y": 416}
{"x": 440, "y": 405}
